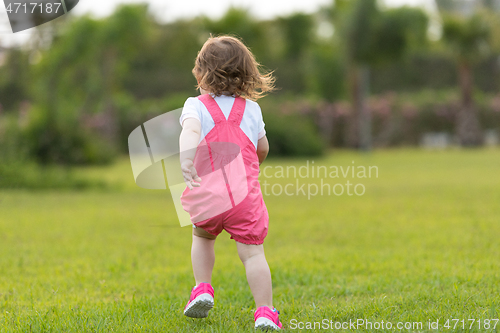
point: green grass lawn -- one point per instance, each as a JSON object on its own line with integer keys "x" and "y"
{"x": 422, "y": 244}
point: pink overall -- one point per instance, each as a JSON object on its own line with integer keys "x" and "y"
{"x": 229, "y": 196}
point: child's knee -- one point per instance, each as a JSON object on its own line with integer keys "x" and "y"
{"x": 246, "y": 251}
{"x": 202, "y": 233}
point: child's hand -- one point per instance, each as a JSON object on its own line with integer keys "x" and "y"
{"x": 190, "y": 174}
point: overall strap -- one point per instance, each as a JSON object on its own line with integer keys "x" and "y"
{"x": 237, "y": 111}
{"x": 213, "y": 108}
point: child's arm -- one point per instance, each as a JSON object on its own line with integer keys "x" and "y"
{"x": 188, "y": 141}
{"x": 262, "y": 149}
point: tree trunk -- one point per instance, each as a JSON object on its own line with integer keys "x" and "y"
{"x": 110, "y": 112}
{"x": 467, "y": 123}
{"x": 352, "y": 138}
{"x": 359, "y": 126}
{"x": 365, "y": 126}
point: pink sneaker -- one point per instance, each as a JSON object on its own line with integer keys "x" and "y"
{"x": 267, "y": 319}
{"x": 200, "y": 302}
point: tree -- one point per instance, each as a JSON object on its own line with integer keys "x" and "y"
{"x": 14, "y": 79}
{"x": 295, "y": 60}
{"x": 82, "y": 73}
{"x": 239, "y": 22}
{"x": 468, "y": 41}
{"x": 372, "y": 37}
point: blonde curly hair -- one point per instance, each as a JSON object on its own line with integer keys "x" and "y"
{"x": 225, "y": 66}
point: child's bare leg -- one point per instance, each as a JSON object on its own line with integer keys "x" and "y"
{"x": 202, "y": 255}
{"x": 258, "y": 273}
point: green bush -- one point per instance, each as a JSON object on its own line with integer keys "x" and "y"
{"x": 397, "y": 119}
{"x": 28, "y": 175}
{"x": 133, "y": 113}
{"x": 19, "y": 170}
{"x": 403, "y": 119}
{"x": 290, "y": 133}
{"x": 62, "y": 140}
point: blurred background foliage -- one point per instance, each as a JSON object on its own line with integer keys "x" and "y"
{"x": 353, "y": 74}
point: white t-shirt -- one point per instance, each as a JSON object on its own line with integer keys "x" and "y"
{"x": 251, "y": 124}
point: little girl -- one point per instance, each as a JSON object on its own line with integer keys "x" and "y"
{"x": 224, "y": 117}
